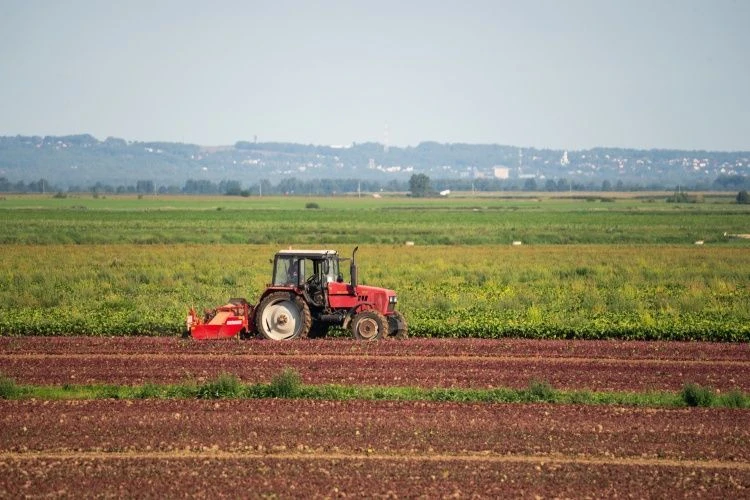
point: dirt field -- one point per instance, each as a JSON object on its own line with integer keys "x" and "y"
{"x": 322, "y": 448}
{"x": 306, "y": 448}
{"x": 599, "y": 366}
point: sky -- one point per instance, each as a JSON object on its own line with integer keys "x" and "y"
{"x": 567, "y": 74}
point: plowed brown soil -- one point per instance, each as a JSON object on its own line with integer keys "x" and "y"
{"x": 323, "y": 449}
{"x": 279, "y": 477}
{"x": 600, "y": 366}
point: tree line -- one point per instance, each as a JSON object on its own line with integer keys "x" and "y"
{"x": 287, "y": 186}
{"x": 418, "y": 185}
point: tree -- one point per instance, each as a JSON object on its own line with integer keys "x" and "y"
{"x": 419, "y": 185}
{"x": 144, "y": 187}
{"x": 265, "y": 186}
{"x": 393, "y": 185}
{"x": 743, "y": 198}
{"x": 231, "y": 188}
{"x": 40, "y": 186}
{"x": 202, "y": 186}
{"x": 679, "y": 197}
{"x": 732, "y": 181}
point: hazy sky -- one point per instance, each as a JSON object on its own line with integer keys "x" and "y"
{"x": 558, "y": 73}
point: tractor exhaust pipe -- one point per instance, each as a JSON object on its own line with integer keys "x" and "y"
{"x": 353, "y": 268}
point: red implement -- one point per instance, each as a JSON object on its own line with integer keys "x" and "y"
{"x": 226, "y": 321}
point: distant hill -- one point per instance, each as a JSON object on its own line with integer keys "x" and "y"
{"x": 80, "y": 161}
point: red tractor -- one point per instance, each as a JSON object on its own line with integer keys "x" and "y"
{"x": 308, "y": 295}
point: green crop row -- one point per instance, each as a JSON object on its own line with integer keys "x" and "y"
{"x": 288, "y": 385}
{"x": 581, "y": 291}
{"x": 483, "y": 324}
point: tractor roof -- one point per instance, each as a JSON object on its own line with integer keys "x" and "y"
{"x": 308, "y": 253}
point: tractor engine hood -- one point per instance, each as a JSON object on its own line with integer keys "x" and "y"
{"x": 383, "y": 299}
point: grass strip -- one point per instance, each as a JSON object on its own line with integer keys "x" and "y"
{"x": 288, "y": 385}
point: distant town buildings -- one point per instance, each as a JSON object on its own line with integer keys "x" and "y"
{"x": 82, "y": 160}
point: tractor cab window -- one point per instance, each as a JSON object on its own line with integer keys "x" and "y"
{"x": 286, "y": 271}
{"x": 323, "y": 270}
{"x": 331, "y": 270}
{"x": 309, "y": 269}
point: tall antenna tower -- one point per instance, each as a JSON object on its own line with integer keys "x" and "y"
{"x": 385, "y": 139}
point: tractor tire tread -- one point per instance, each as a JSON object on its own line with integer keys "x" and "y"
{"x": 379, "y": 319}
{"x": 394, "y": 331}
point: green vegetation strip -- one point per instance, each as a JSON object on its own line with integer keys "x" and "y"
{"x": 578, "y": 292}
{"x": 288, "y": 385}
{"x": 354, "y": 221}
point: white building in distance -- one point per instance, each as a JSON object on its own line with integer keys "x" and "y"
{"x": 501, "y": 172}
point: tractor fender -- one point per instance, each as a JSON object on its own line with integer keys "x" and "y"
{"x": 362, "y": 306}
{"x": 271, "y": 289}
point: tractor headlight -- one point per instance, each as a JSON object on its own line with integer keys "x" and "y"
{"x": 392, "y": 299}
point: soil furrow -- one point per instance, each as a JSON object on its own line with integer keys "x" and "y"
{"x": 590, "y": 349}
{"x": 347, "y": 357}
{"x": 488, "y": 458}
{"x": 596, "y": 375}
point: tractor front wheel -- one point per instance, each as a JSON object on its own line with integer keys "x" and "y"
{"x": 397, "y": 325}
{"x": 283, "y": 316}
{"x": 369, "y": 325}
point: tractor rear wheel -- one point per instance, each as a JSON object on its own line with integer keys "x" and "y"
{"x": 369, "y": 325}
{"x": 283, "y": 316}
{"x": 397, "y": 325}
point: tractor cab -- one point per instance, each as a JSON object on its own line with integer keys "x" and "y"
{"x": 315, "y": 274}
{"x": 299, "y": 267}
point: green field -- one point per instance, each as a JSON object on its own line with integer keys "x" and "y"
{"x": 625, "y": 267}
{"x": 456, "y": 221}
